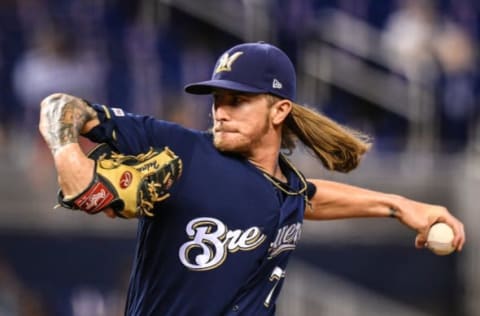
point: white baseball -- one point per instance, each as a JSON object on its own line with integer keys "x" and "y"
{"x": 439, "y": 239}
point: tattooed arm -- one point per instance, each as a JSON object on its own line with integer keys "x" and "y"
{"x": 63, "y": 118}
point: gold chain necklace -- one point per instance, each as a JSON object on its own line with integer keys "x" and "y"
{"x": 277, "y": 183}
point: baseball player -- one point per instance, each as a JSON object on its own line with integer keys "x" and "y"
{"x": 219, "y": 211}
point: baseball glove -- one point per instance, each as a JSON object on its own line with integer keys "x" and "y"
{"x": 128, "y": 184}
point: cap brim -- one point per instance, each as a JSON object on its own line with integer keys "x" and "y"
{"x": 207, "y": 87}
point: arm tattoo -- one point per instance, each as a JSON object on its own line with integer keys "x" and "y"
{"x": 65, "y": 116}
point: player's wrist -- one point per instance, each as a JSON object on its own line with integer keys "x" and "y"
{"x": 392, "y": 206}
{"x": 62, "y": 152}
{"x": 74, "y": 180}
{"x": 392, "y": 212}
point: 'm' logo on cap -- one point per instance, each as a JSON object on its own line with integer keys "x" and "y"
{"x": 226, "y": 61}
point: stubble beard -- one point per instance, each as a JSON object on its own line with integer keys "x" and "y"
{"x": 230, "y": 146}
{"x": 240, "y": 145}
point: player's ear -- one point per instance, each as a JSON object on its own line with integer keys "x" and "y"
{"x": 280, "y": 111}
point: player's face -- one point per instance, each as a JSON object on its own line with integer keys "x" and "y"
{"x": 240, "y": 121}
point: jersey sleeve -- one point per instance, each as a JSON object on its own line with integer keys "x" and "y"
{"x": 311, "y": 190}
{"x": 132, "y": 134}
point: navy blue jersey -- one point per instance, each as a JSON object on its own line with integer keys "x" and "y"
{"x": 221, "y": 242}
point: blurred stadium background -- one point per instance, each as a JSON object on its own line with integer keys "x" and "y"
{"x": 404, "y": 71}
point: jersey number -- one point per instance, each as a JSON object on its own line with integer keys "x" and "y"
{"x": 277, "y": 274}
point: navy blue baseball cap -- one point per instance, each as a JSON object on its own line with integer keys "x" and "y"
{"x": 252, "y": 68}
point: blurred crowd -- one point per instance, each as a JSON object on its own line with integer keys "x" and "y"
{"x": 16, "y": 299}
{"x": 75, "y": 285}
{"x": 139, "y": 54}
{"x": 435, "y": 44}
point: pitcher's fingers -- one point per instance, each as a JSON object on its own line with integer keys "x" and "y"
{"x": 420, "y": 240}
{"x": 109, "y": 212}
{"x": 460, "y": 238}
{"x": 458, "y": 232}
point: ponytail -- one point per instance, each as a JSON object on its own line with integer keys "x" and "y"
{"x": 337, "y": 147}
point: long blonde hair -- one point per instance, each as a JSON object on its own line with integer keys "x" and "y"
{"x": 338, "y": 148}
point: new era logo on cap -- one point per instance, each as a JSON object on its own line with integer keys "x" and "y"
{"x": 276, "y": 84}
{"x": 251, "y": 68}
